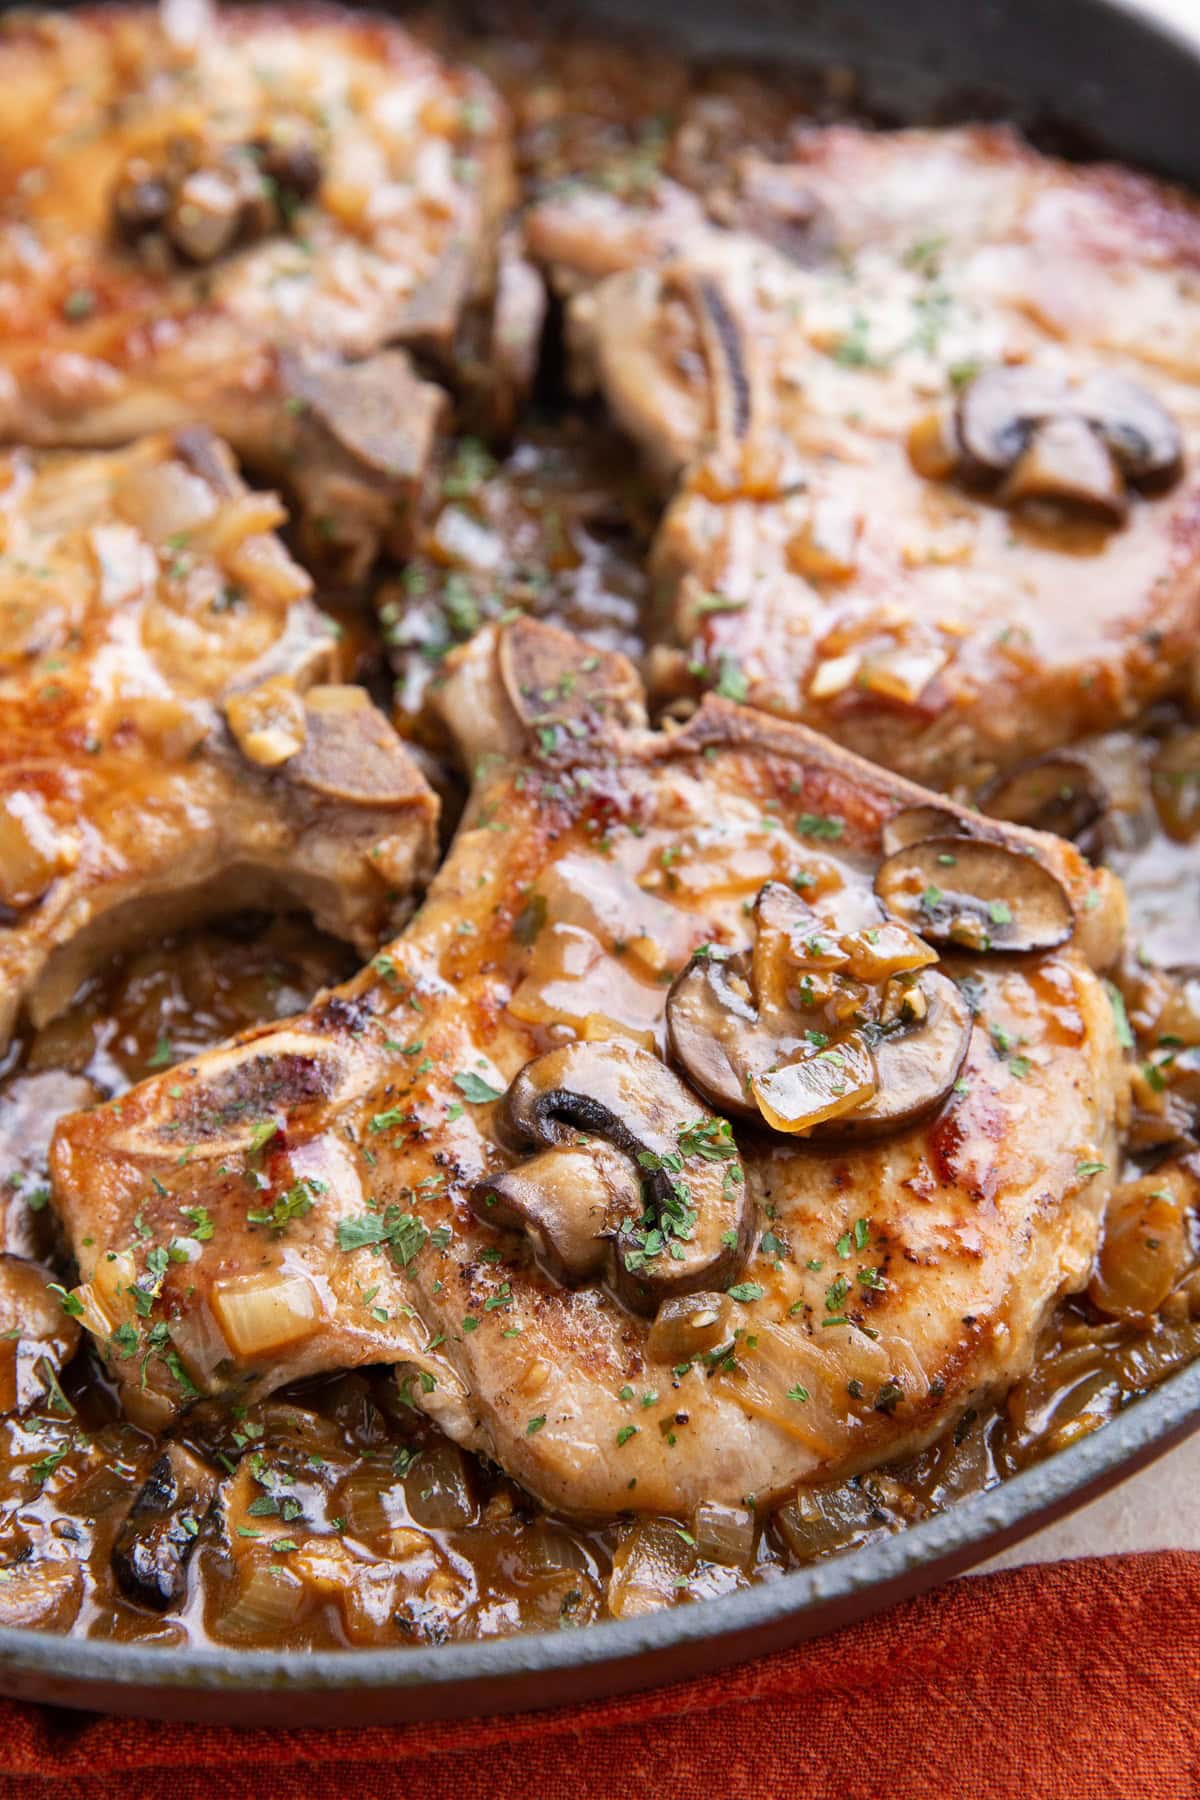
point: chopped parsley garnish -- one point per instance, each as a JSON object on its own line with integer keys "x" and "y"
{"x": 1120, "y": 1017}
{"x": 745, "y": 1291}
{"x": 475, "y": 1089}
{"x": 820, "y": 825}
{"x": 731, "y": 683}
{"x": 402, "y": 1233}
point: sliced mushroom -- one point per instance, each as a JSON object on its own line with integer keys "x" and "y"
{"x": 1059, "y": 792}
{"x": 975, "y": 895}
{"x": 570, "y": 1204}
{"x": 1069, "y": 463}
{"x": 918, "y": 822}
{"x": 154, "y": 1545}
{"x": 817, "y": 1033}
{"x": 1138, "y": 429}
{"x": 1048, "y": 439}
{"x": 715, "y": 1033}
{"x": 692, "y": 1223}
{"x": 998, "y": 412}
{"x": 918, "y": 1055}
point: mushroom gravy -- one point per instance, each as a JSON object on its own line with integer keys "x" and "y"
{"x": 348, "y": 1518}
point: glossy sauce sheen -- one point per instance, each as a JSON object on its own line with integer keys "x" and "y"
{"x": 386, "y": 1532}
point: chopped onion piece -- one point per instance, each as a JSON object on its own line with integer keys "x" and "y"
{"x": 817, "y": 1086}
{"x": 650, "y": 1566}
{"x": 44, "y": 1595}
{"x": 270, "y": 1599}
{"x": 724, "y": 1534}
{"x": 263, "y": 1311}
{"x": 439, "y": 1489}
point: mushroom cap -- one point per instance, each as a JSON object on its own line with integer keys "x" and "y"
{"x": 916, "y": 1064}
{"x": 569, "y": 1201}
{"x": 1069, "y": 463}
{"x": 918, "y": 822}
{"x": 1063, "y": 441}
{"x": 694, "y": 1226}
{"x": 1058, "y": 792}
{"x": 714, "y": 1032}
{"x": 737, "y": 1029}
{"x": 975, "y": 894}
{"x": 1136, "y": 426}
{"x": 998, "y": 411}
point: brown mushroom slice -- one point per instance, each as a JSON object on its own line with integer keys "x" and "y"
{"x": 569, "y": 1202}
{"x": 715, "y": 1034}
{"x": 918, "y": 822}
{"x": 155, "y": 1544}
{"x": 1138, "y": 430}
{"x": 816, "y": 1086}
{"x": 695, "y": 1227}
{"x": 974, "y": 894}
{"x": 998, "y": 412}
{"x": 1058, "y": 792}
{"x": 1068, "y": 464}
{"x": 918, "y": 1057}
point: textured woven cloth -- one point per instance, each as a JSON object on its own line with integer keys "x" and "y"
{"x": 1079, "y": 1681}
{"x": 1067, "y": 1682}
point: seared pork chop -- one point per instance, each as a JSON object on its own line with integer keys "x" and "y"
{"x": 236, "y": 221}
{"x": 928, "y": 404}
{"x": 175, "y": 740}
{"x": 594, "y": 1279}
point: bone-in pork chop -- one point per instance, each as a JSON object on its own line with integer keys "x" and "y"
{"x": 174, "y": 738}
{"x": 502, "y": 1158}
{"x": 928, "y": 404}
{"x": 247, "y": 222}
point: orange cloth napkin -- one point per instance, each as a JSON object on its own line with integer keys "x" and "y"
{"x": 1078, "y": 1681}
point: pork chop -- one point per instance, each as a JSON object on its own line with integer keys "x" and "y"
{"x": 927, "y": 406}
{"x": 246, "y": 221}
{"x": 175, "y": 740}
{"x": 351, "y": 1188}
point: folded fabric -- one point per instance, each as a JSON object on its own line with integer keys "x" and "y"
{"x": 1072, "y": 1681}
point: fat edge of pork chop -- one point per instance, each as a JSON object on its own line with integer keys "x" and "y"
{"x": 176, "y": 742}
{"x": 856, "y": 536}
{"x": 304, "y": 1195}
{"x": 271, "y": 212}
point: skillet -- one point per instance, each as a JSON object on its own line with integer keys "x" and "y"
{"x": 1100, "y": 74}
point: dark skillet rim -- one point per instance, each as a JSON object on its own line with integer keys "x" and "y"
{"x": 968, "y": 1531}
